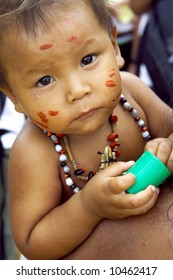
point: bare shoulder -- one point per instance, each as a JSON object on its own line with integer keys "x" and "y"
{"x": 135, "y": 89}
{"x": 135, "y": 86}
{"x": 31, "y": 151}
{"x": 30, "y": 136}
{"x": 30, "y": 147}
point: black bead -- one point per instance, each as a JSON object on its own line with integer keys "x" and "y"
{"x": 90, "y": 175}
{"x": 79, "y": 172}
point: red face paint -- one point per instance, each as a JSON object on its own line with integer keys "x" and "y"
{"x": 43, "y": 117}
{"x": 71, "y": 39}
{"x": 111, "y": 73}
{"x": 53, "y": 113}
{"x": 44, "y": 126}
{"x": 46, "y": 47}
{"x": 110, "y": 83}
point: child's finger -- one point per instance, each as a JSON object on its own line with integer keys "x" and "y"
{"x": 161, "y": 148}
{"x": 117, "y": 168}
{"x": 120, "y": 184}
{"x": 134, "y": 201}
{"x": 144, "y": 208}
{"x": 170, "y": 163}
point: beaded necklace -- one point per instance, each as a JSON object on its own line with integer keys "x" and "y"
{"x": 110, "y": 154}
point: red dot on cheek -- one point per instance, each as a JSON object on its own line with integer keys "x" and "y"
{"x": 53, "y": 113}
{"x": 110, "y": 83}
{"x": 111, "y": 75}
{"x": 42, "y": 117}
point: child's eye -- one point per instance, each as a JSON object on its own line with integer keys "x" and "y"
{"x": 45, "y": 81}
{"x": 88, "y": 60}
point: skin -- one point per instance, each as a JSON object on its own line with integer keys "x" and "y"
{"x": 79, "y": 89}
{"x": 149, "y": 237}
{"x": 142, "y": 6}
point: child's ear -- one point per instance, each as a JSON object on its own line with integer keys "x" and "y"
{"x": 120, "y": 59}
{"x": 18, "y": 107}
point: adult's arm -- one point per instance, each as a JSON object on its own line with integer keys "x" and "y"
{"x": 142, "y": 6}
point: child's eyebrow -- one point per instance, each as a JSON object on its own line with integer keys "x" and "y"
{"x": 45, "y": 47}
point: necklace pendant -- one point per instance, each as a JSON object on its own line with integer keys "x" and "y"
{"x": 102, "y": 162}
{"x": 107, "y": 158}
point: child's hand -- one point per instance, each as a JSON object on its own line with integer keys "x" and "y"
{"x": 163, "y": 149}
{"x": 104, "y": 195}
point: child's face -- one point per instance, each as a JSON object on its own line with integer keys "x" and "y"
{"x": 66, "y": 80}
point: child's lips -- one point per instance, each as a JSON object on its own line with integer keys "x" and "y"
{"x": 86, "y": 114}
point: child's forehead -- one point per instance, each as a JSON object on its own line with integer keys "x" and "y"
{"x": 67, "y": 31}
{"x": 57, "y": 19}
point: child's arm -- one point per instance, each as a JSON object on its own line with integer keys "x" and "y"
{"x": 43, "y": 227}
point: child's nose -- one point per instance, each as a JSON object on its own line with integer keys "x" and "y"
{"x": 77, "y": 88}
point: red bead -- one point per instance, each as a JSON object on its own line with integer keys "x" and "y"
{"x": 113, "y": 144}
{"x": 130, "y": 109}
{"x": 63, "y": 152}
{"x": 137, "y": 118}
{"x": 117, "y": 153}
{"x": 113, "y": 118}
{"x": 112, "y": 136}
{"x": 60, "y": 135}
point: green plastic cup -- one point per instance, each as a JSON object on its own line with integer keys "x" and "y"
{"x": 149, "y": 170}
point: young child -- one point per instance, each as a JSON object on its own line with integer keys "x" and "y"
{"x": 59, "y": 63}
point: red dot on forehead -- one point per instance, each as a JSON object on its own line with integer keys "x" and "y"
{"x": 71, "y": 38}
{"x": 46, "y": 47}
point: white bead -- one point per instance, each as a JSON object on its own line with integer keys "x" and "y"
{"x": 76, "y": 190}
{"x": 126, "y": 105}
{"x": 145, "y": 134}
{"x": 66, "y": 169}
{"x": 69, "y": 182}
{"x": 141, "y": 122}
{"x": 62, "y": 157}
{"x": 134, "y": 113}
{"x": 54, "y": 138}
{"x": 58, "y": 148}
